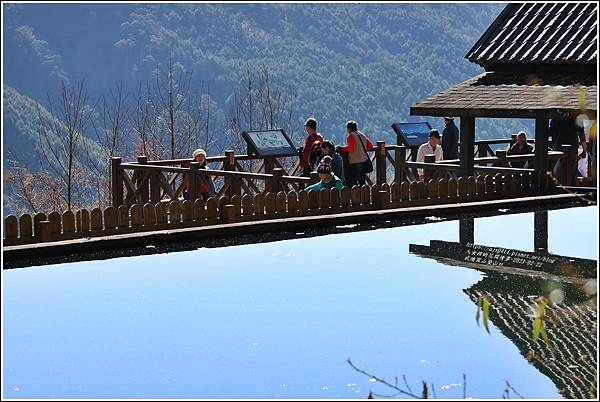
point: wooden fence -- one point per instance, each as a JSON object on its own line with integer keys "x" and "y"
{"x": 175, "y": 214}
{"x": 152, "y": 181}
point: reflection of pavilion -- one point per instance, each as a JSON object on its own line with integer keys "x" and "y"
{"x": 514, "y": 279}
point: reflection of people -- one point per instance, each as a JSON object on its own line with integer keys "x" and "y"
{"x": 328, "y": 179}
{"x": 206, "y": 187}
{"x": 357, "y": 146}
{"x": 450, "y": 139}
{"x": 567, "y": 132}
{"x": 311, "y": 129}
{"x": 337, "y": 163}
{"x": 521, "y": 147}
{"x": 430, "y": 147}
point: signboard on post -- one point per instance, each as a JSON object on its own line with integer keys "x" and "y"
{"x": 412, "y": 135}
{"x": 269, "y": 143}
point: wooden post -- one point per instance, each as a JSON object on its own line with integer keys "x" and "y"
{"x": 501, "y": 155}
{"x": 380, "y": 160}
{"x": 193, "y": 181}
{"x": 399, "y": 160}
{"x": 116, "y": 181}
{"x": 568, "y": 164}
{"x": 229, "y": 213}
{"x": 276, "y": 184}
{"x": 235, "y": 187}
{"x": 540, "y": 231}
{"x": 45, "y": 231}
{"x": 429, "y": 173}
{"x": 144, "y": 192}
{"x": 466, "y": 230}
{"x": 154, "y": 187}
{"x": 467, "y": 141}
{"x": 541, "y": 148}
{"x": 269, "y": 167}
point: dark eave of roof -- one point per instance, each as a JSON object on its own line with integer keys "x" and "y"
{"x": 535, "y": 35}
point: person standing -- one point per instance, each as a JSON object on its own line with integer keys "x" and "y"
{"x": 431, "y": 147}
{"x": 450, "y": 137}
{"x": 357, "y": 146}
{"x": 206, "y": 187}
{"x": 313, "y": 136}
{"x": 566, "y": 132}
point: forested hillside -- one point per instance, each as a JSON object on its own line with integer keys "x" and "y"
{"x": 368, "y": 62}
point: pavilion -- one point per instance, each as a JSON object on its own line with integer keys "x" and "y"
{"x": 540, "y": 62}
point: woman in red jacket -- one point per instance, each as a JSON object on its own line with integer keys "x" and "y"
{"x": 357, "y": 146}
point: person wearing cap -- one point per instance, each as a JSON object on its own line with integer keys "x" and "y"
{"x": 328, "y": 179}
{"x": 206, "y": 187}
{"x": 337, "y": 164}
{"x": 431, "y": 147}
{"x": 450, "y": 139}
{"x": 357, "y": 146}
{"x": 311, "y": 130}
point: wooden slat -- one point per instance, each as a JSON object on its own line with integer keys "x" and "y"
{"x": 187, "y": 207}
{"x": 149, "y": 214}
{"x": 110, "y": 218}
{"x": 25, "y": 226}
{"x": 137, "y": 215}
{"x": 96, "y": 219}
{"x": 199, "y": 210}
{"x": 55, "y": 220}
{"x": 11, "y": 227}
{"x": 281, "y": 203}
{"x": 68, "y": 222}
{"x": 247, "y": 205}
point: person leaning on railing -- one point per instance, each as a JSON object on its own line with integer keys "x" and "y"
{"x": 521, "y": 147}
{"x": 430, "y": 147}
{"x": 328, "y": 179}
{"x": 206, "y": 187}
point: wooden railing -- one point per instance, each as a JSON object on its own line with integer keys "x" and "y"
{"x": 175, "y": 214}
{"x": 152, "y": 181}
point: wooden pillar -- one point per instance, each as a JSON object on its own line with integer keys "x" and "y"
{"x": 145, "y": 185}
{"x": 235, "y": 187}
{"x": 399, "y": 159}
{"x": 116, "y": 181}
{"x": 269, "y": 166}
{"x": 466, "y": 230}
{"x": 467, "y": 144}
{"x": 380, "y": 160}
{"x": 540, "y": 231}
{"x": 541, "y": 148}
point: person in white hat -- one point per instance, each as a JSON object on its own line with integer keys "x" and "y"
{"x": 206, "y": 187}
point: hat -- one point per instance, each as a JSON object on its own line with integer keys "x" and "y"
{"x": 311, "y": 122}
{"x": 325, "y": 165}
{"x": 198, "y": 152}
{"x": 434, "y": 133}
{"x": 448, "y": 118}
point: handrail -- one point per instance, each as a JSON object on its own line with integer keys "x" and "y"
{"x": 213, "y": 172}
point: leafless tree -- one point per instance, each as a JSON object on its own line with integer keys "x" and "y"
{"x": 60, "y": 135}
{"x": 112, "y": 129}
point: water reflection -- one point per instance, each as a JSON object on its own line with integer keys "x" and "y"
{"x": 514, "y": 280}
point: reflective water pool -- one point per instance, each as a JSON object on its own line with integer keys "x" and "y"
{"x": 280, "y": 319}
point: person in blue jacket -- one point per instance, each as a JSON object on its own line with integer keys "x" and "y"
{"x": 337, "y": 163}
{"x": 328, "y": 179}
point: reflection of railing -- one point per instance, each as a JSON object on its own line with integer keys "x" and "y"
{"x": 229, "y": 209}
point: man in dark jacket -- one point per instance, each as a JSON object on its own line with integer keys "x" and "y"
{"x": 450, "y": 139}
{"x": 521, "y": 147}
